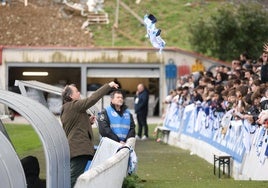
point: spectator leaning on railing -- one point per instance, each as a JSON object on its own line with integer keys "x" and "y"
{"x": 232, "y": 104}
{"x": 241, "y": 87}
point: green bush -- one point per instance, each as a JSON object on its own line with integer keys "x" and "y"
{"x": 131, "y": 181}
{"x": 230, "y": 31}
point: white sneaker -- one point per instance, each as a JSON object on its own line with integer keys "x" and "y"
{"x": 144, "y": 137}
{"x": 137, "y": 137}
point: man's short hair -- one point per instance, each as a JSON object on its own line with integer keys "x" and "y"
{"x": 119, "y": 91}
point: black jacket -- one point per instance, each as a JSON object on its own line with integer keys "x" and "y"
{"x": 141, "y": 105}
{"x": 264, "y": 73}
{"x": 104, "y": 125}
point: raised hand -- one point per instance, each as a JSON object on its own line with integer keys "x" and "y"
{"x": 113, "y": 85}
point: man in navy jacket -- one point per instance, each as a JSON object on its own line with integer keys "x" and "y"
{"x": 141, "y": 109}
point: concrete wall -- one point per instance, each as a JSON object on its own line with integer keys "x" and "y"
{"x": 245, "y": 143}
{"x": 250, "y": 169}
{"x": 83, "y": 57}
{"x": 46, "y": 56}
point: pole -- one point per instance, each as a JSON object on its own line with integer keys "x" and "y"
{"x": 116, "y": 21}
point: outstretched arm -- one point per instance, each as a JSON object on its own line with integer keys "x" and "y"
{"x": 88, "y": 102}
{"x": 113, "y": 85}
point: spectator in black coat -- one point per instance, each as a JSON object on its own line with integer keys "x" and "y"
{"x": 141, "y": 109}
{"x": 264, "y": 67}
{"x": 31, "y": 169}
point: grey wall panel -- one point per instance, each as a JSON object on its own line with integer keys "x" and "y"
{"x": 124, "y": 72}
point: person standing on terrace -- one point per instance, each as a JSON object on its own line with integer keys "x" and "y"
{"x": 141, "y": 109}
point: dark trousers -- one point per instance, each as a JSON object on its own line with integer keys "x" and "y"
{"x": 142, "y": 123}
{"x": 78, "y": 165}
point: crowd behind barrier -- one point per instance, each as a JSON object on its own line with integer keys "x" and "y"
{"x": 227, "y": 109}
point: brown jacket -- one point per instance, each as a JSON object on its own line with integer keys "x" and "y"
{"x": 76, "y": 124}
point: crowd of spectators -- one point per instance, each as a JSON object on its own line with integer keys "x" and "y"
{"x": 241, "y": 87}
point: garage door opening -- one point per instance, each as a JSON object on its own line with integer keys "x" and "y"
{"x": 129, "y": 86}
{"x": 55, "y": 76}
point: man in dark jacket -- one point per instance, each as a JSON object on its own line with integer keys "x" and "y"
{"x": 141, "y": 109}
{"x": 264, "y": 67}
{"x": 77, "y": 126}
{"x": 31, "y": 169}
{"x": 264, "y": 72}
{"x": 115, "y": 121}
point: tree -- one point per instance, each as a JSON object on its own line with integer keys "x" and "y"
{"x": 231, "y": 31}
